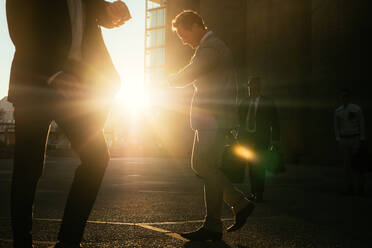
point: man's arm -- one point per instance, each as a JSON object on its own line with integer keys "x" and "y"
{"x": 242, "y": 113}
{"x": 22, "y": 18}
{"x": 361, "y": 123}
{"x": 205, "y": 60}
{"x": 337, "y": 126}
{"x": 275, "y": 127}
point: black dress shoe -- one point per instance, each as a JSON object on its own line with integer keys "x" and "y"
{"x": 259, "y": 197}
{"x": 251, "y": 197}
{"x": 241, "y": 217}
{"x": 255, "y": 197}
{"x": 202, "y": 234}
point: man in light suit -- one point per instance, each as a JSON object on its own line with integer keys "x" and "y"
{"x": 60, "y": 43}
{"x": 213, "y": 113}
{"x": 259, "y": 128}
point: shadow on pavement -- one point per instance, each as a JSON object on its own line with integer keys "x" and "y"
{"x": 199, "y": 244}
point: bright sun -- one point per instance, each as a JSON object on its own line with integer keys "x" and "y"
{"x": 133, "y": 99}
{"x": 126, "y": 47}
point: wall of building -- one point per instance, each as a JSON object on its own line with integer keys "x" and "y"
{"x": 305, "y": 51}
{"x": 227, "y": 20}
{"x": 339, "y": 50}
{"x": 277, "y": 50}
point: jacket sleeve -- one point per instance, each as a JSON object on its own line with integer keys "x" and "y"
{"x": 361, "y": 124}
{"x": 241, "y": 113}
{"x": 23, "y": 17}
{"x": 337, "y": 126}
{"x": 204, "y": 60}
{"x": 275, "y": 127}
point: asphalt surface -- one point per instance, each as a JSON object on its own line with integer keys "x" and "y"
{"x": 144, "y": 202}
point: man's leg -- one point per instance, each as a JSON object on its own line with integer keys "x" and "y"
{"x": 85, "y": 133}
{"x": 31, "y": 133}
{"x": 357, "y": 177}
{"x": 346, "y": 153}
{"x": 213, "y": 192}
{"x": 206, "y": 158}
{"x": 257, "y": 175}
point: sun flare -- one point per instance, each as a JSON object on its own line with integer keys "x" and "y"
{"x": 133, "y": 99}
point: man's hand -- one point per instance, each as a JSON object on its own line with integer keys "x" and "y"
{"x": 275, "y": 144}
{"x": 68, "y": 86}
{"x": 235, "y": 132}
{"x": 363, "y": 143}
{"x": 170, "y": 80}
{"x": 118, "y": 12}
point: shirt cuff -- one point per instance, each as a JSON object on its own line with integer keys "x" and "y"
{"x": 51, "y": 79}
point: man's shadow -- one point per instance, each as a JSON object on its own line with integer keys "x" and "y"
{"x": 199, "y": 244}
{"x": 214, "y": 244}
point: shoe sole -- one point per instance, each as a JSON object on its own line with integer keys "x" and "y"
{"x": 233, "y": 227}
{"x": 209, "y": 239}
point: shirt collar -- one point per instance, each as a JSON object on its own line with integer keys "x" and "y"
{"x": 209, "y": 33}
{"x": 255, "y": 98}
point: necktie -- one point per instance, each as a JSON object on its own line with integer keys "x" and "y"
{"x": 252, "y": 115}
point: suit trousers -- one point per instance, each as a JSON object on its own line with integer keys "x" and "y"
{"x": 83, "y": 125}
{"x": 257, "y": 176}
{"x": 257, "y": 171}
{"x": 206, "y": 159}
{"x": 349, "y": 146}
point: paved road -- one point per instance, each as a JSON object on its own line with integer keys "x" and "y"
{"x": 144, "y": 202}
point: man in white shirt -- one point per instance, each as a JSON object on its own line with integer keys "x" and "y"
{"x": 350, "y": 135}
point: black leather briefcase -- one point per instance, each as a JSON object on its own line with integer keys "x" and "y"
{"x": 232, "y": 166}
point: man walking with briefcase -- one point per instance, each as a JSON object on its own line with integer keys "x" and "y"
{"x": 259, "y": 129}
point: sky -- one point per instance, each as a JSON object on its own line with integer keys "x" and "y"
{"x": 125, "y": 45}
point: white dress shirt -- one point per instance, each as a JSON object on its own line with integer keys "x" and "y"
{"x": 77, "y": 18}
{"x": 349, "y": 121}
{"x": 253, "y": 104}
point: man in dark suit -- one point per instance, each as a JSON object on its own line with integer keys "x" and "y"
{"x": 58, "y": 43}
{"x": 259, "y": 129}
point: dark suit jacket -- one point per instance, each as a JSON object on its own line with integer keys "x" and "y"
{"x": 267, "y": 124}
{"x": 41, "y": 33}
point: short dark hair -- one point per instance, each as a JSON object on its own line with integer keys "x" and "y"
{"x": 186, "y": 19}
{"x": 345, "y": 92}
{"x": 254, "y": 81}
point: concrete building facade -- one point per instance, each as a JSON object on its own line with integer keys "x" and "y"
{"x": 305, "y": 51}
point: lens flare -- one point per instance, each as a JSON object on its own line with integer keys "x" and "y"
{"x": 244, "y": 152}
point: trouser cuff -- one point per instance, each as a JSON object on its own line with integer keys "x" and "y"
{"x": 213, "y": 224}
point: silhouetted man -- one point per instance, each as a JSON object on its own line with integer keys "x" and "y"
{"x": 259, "y": 129}
{"x": 350, "y": 134}
{"x": 213, "y": 114}
{"x": 59, "y": 45}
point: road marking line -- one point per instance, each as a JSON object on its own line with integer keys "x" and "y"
{"x": 34, "y": 241}
{"x": 166, "y": 232}
{"x": 160, "y": 191}
{"x": 143, "y": 225}
{"x": 129, "y": 223}
{"x": 40, "y": 242}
